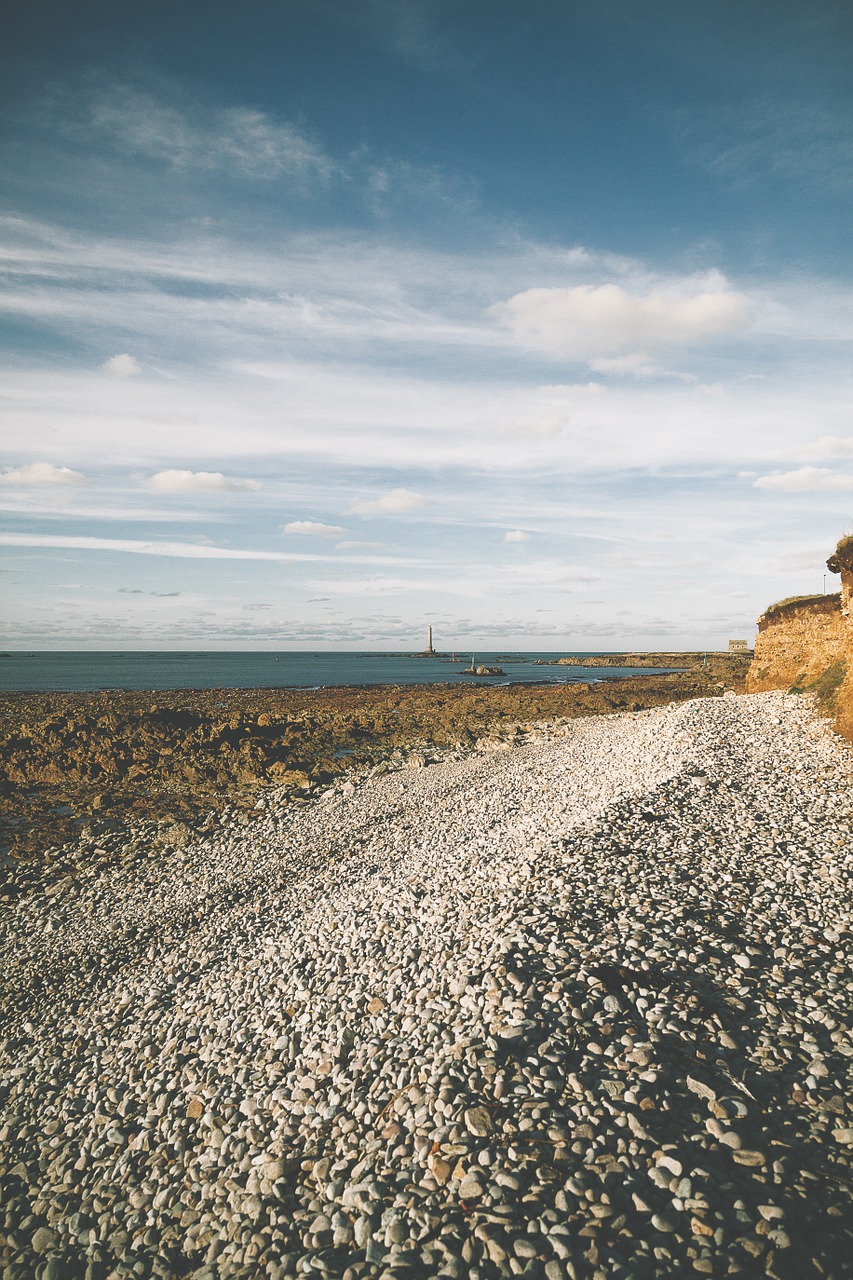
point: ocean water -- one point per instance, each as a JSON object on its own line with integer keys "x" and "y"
{"x": 80, "y": 672}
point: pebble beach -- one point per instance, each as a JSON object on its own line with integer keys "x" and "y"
{"x": 573, "y": 1008}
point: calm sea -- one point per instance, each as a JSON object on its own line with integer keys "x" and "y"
{"x": 79, "y": 672}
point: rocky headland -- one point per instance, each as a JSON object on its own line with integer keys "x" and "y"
{"x": 805, "y": 644}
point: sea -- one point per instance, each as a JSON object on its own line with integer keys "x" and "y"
{"x": 85, "y": 672}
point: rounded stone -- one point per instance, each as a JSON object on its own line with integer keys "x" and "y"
{"x": 43, "y": 1240}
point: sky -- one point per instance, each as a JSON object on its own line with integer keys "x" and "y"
{"x": 323, "y": 320}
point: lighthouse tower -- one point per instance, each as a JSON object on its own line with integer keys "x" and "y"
{"x": 429, "y": 647}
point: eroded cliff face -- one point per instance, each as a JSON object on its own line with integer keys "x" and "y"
{"x": 806, "y": 644}
{"x": 797, "y": 643}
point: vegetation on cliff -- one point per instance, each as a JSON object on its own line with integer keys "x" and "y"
{"x": 815, "y": 604}
{"x": 842, "y": 558}
{"x": 827, "y": 685}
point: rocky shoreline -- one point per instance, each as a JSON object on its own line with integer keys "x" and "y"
{"x": 89, "y": 764}
{"x": 729, "y": 666}
{"x": 577, "y": 1009}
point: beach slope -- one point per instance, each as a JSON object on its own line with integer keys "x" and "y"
{"x": 574, "y": 1009}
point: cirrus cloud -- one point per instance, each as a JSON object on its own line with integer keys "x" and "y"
{"x": 589, "y": 321}
{"x": 177, "y": 481}
{"x": 41, "y": 473}
{"x": 198, "y": 549}
{"x": 185, "y": 135}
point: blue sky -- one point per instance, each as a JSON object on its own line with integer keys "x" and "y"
{"x": 322, "y": 319}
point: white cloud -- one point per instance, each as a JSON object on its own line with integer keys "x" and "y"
{"x": 313, "y": 528}
{"x": 177, "y": 481}
{"x": 123, "y": 366}
{"x": 829, "y": 447}
{"x": 179, "y": 550}
{"x": 591, "y": 321}
{"x": 352, "y": 544}
{"x": 41, "y": 473}
{"x": 395, "y": 502}
{"x": 60, "y": 502}
{"x": 373, "y": 417}
{"x": 805, "y": 480}
{"x": 290, "y": 364}
{"x": 517, "y": 535}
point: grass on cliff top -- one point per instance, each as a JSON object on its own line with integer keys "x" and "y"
{"x": 790, "y": 603}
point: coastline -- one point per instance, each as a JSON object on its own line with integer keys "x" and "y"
{"x": 87, "y": 765}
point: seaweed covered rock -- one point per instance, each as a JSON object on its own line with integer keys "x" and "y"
{"x": 65, "y": 757}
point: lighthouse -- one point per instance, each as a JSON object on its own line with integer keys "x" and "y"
{"x": 429, "y": 647}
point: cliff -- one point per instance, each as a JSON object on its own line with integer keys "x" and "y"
{"x": 806, "y": 644}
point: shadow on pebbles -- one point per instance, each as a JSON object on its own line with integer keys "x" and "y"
{"x": 575, "y": 1009}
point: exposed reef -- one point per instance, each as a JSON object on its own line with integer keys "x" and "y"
{"x": 91, "y": 762}
{"x": 730, "y": 667}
